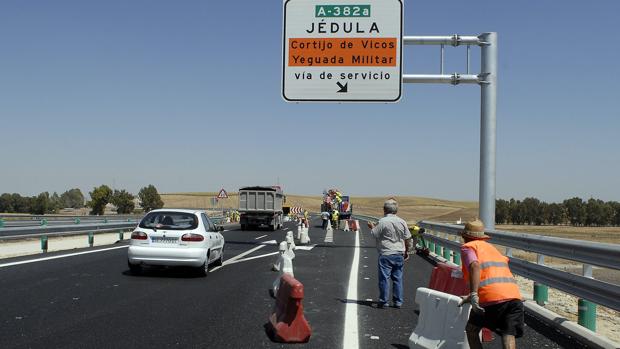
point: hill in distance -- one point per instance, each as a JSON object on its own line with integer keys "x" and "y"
{"x": 411, "y": 208}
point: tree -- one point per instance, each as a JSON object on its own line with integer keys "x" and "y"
{"x": 502, "y": 211}
{"x": 55, "y": 203}
{"x": 40, "y": 203}
{"x": 598, "y": 213}
{"x": 21, "y": 204}
{"x": 575, "y": 210}
{"x": 72, "y": 198}
{"x": 6, "y": 203}
{"x": 532, "y": 210}
{"x": 616, "y": 207}
{"x": 123, "y": 201}
{"x": 149, "y": 198}
{"x": 99, "y": 197}
{"x": 556, "y": 213}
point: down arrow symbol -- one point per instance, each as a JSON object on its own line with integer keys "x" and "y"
{"x": 342, "y": 88}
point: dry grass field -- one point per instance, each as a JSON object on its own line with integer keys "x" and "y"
{"x": 412, "y": 208}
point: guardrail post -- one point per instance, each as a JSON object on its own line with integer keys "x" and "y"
{"x": 456, "y": 258}
{"x": 44, "y": 243}
{"x": 91, "y": 239}
{"x": 1, "y": 222}
{"x": 105, "y": 220}
{"x": 586, "y": 310}
{"x": 76, "y": 220}
{"x": 541, "y": 292}
{"x": 586, "y": 314}
{"x": 121, "y": 235}
{"x": 446, "y": 250}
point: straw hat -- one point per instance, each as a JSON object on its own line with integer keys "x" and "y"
{"x": 474, "y": 230}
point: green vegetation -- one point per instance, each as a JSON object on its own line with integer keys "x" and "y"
{"x": 574, "y": 211}
{"x": 99, "y": 197}
{"x": 123, "y": 201}
{"x": 149, "y": 198}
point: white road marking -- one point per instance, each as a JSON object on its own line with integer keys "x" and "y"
{"x": 351, "y": 340}
{"x": 260, "y": 237}
{"x": 241, "y": 255}
{"x": 305, "y": 248}
{"x": 254, "y": 257}
{"x": 60, "y": 256}
{"x": 269, "y": 242}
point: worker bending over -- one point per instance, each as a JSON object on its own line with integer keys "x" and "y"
{"x": 495, "y": 299}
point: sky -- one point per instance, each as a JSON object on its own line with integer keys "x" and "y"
{"x": 186, "y": 95}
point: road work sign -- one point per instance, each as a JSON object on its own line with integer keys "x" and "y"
{"x": 223, "y": 194}
{"x": 342, "y": 50}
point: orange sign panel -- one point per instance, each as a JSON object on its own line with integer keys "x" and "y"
{"x": 348, "y": 52}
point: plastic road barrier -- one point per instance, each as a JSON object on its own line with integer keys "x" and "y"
{"x": 287, "y": 323}
{"x": 441, "y": 324}
{"x": 304, "y": 237}
{"x": 449, "y": 279}
{"x": 353, "y": 225}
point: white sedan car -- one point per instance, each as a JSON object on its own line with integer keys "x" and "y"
{"x": 174, "y": 237}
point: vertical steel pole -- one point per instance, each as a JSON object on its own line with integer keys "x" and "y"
{"x": 488, "y": 109}
{"x": 441, "y": 60}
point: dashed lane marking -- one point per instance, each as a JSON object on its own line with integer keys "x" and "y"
{"x": 60, "y": 256}
{"x": 260, "y": 237}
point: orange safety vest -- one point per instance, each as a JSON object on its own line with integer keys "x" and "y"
{"x": 496, "y": 280}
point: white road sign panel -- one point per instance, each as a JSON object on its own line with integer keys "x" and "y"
{"x": 342, "y": 50}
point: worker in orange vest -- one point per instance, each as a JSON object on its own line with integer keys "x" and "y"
{"x": 495, "y": 299}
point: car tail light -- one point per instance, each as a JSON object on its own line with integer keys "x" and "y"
{"x": 138, "y": 235}
{"x": 192, "y": 237}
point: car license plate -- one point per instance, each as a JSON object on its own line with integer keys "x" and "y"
{"x": 163, "y": 240}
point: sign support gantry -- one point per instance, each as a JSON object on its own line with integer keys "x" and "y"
{"x": 487, "y": 79}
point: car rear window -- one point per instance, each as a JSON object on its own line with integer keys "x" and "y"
{"x": 169, "y": 221}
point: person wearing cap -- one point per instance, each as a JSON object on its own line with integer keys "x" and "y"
{"x": 495, "y": 299}
{"x": 393, "y": 244}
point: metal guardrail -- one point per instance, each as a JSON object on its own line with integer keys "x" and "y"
{"x": 587, "y": 252}
{"x": 12, "y": 233}
{"x": 59, "y": 230}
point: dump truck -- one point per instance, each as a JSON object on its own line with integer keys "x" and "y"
{"x": 261, "y": 206}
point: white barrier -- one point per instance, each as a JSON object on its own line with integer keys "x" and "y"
{"x": 284, "y": 264}
{"x": 305, "y": 237}
{"x": 346, "y": 225}
{"x": 441, "y": 324}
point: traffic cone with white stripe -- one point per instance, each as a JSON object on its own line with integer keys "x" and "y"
{"x": 346, "y": 225}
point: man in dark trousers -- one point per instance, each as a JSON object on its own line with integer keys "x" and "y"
{"x": 495, "y": 299}
{"x": 393, "y": 244}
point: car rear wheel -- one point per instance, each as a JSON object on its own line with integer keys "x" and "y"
{"x": 220, "y": 260}
{"x": 203, "y": 270}
{"x": 135, "y": 269}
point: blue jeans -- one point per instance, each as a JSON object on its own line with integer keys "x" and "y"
{"x": 391, "y": 267}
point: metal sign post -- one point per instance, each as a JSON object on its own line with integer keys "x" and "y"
{"x": 487, "y": 79}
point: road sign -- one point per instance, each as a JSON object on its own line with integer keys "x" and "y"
{"x": 223, "y": 194}
{"x": 342, "y": 51}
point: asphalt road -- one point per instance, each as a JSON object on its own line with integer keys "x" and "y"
{"x": 92, "y": 301}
